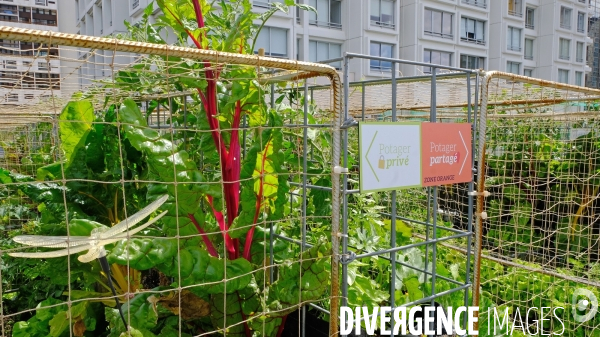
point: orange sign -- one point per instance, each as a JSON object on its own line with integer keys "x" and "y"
{"x": 446, "y": 153}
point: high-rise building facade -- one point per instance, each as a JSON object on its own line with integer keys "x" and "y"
{"x": 546, "y": 39}
{"x": 592, "y": 79}
{"x": 28, "y": 71}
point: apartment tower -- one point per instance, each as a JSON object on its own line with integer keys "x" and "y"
{"x": 545, "y": 39}
{"x": 29, "y": 71}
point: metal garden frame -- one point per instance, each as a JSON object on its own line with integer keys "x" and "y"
{"x": 296, "y": 70}
{"x": 431, "y": 241}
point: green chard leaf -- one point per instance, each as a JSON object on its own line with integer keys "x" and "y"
{"x": 75, "y": 122}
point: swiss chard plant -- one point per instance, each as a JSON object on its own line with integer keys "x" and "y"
{"x": 210, "y": 254}
{"x": 237, "y": 194}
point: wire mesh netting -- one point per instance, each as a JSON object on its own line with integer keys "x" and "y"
{"x": 213, "y": 158}
{"x": 542, "y": 232}
{"x": 407, "y": 222}
{"x": 228, "y": 162}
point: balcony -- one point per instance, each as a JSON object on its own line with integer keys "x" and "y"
{"x": 528, "y": 57}
{"x": 438, "y": 34}
{"x": 40, "y": 2}
{"x": 384, "y": 24}
{"x": 529, "y": 26}
{"x": 518, "y": 14}
{"x": 9, "y": 18}
{"x": 262, "y": 4}
{"x": 477, "y": 3}
{"x": 579, "y": 59}
{"x": 513, "y": 48}
{"x": 333, "y": 25}
{"x": 564, "y": 57}
{"x": 565, "y": 25}
{"x": 470, "y": 38}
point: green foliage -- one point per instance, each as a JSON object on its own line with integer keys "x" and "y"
{"x": 195, "y": 161}
{"x": 52, "y": 319}
{"x": 512, "y": 288}
{"x": 116, "y": 144}
{"x": 75, "y": 122}
{"x": 543, "y": 182}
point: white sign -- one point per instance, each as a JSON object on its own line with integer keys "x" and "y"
{"x": 390, "y": 156}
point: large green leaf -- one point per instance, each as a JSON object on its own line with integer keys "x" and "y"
{"x": 143, "y": 254}
{"x": 168, "y": 162}
{"x": 208, "y": 275}
{"x": 262, "y": 170}
{"x": 139, "y": 312}
{"x": 298, "y": 282}
{"x": 44, "y": 322}
{"x": 75, "y": 122}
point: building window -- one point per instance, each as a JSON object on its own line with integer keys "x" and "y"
{"x": 320, "y": 51}
{"x": 514, "y": 39}
{"x": 581, "y": 22}
{"x": 436, "y": 57}
{"x": 438, "y": 23}
{"x": 24, "y": 14}
{"x": 9, "y": 47}
{"x": 528, "y": 72}
{"x": 382, "y": 50}
{"x": 12, "y": 97}
{"x": 528, "y": 49}
{"x": 273, "y": 40}
{"x": 10, "y": 64}
{"x": 515, "y": 7}
{"x": 513, "y": 67}
{"x": 530, "y": 18}
{"x": 565, "y": 17}
{"x": 329, "y": 13}
{"x": 579, "y": 78}
{"x": 43, "y": 65}
{"x": 563, "y": 76}
{"x": 9, "y": 13}
{"x": 579, "y": 52}
{"x": 472, "y": 30}
{"x": 471, "y": 62}
{"x": 382, "y": 13}
{"x": 478, "y": 3}
{"x": 564, "y": 49}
